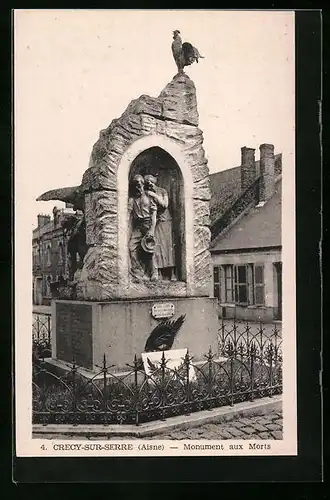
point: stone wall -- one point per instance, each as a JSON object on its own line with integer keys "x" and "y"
{"x": 170, "y": 122}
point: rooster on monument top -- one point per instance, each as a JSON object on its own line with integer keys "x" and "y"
{"x": 185, "y": 53}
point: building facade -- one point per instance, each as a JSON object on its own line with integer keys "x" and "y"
{"x": 49, "y": 253}
{"x": 246, "y": 244}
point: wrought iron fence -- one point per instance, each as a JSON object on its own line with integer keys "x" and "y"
{"x": 41, "y": 334}
{"x": 239, "y": 337}
{"x": 250, "y": 366}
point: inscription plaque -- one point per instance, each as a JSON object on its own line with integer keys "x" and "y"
{"x": 74, "y": 333}
{"x": 162, "y": 310}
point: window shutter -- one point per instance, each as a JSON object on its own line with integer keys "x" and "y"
{"x": 259, "y": 274}
{"x": 259, "y": 286}
{"x": 216, "y": 287}
{"x": 216, "y": 291}
{"x": 221, "y": 284}
{"x": 235, "y": 284}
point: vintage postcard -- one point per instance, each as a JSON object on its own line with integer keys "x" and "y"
{"x": 155, "y": 233}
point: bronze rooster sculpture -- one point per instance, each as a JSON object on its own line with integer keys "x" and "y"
{"x": 162, "y": 337}
{"x": 184, "y": 53}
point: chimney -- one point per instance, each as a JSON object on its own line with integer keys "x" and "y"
{"x": 43, "y": 220}
{"x": 248, "y": 167}
{"x": 267, "y": 171}
{"x": 278, "y": 164}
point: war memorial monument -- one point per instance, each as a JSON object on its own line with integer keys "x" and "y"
{"x": 144, "y": 237}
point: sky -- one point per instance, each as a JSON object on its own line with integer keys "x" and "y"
{"x": 76, "y": 70}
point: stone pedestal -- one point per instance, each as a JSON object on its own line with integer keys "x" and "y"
{"x": 86, "y": 331}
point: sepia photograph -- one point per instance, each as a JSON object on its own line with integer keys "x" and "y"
{"x": 154, "y": 168}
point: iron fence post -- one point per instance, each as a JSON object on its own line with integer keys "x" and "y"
{"x": 105, "y": 371}
{"x": 74, "y": 402}
{"x": 136, "y": 390}
{"x": 48, "y": 330}
{"x": 235, "y": 335}
{"x": 43, "y": 392}
{"x": 271, "y": 369}
{"x": 241, "y": 353}
{"x": 252, "y": 355}
{"x": 231, "y": 381}
{"x": 38, "y": 328}
{"x": 209, "y": 358}
{"x": 187, "y": 365}
{"x": 275, "y": 342}
{"x": 261, "y": 331}
{"x": 248, "y": 331}
{"x": 163, "y": 397}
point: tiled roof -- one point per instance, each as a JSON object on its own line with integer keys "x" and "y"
{"x": 226, "y": 187}
{"x": 259, "y": 227}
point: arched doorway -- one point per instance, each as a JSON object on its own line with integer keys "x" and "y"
{"x": 157, "y": 162}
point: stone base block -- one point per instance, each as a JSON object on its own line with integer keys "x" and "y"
{"x": 86, "y": 331}
{"x": 96, "y": 291}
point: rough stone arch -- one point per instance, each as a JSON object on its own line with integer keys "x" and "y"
{"x": 169, "y": 122}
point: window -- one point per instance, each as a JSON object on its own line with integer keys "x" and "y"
{"x": 38, "y": 259}
{"x": 223, "y": 283}
{"x": 240, "y": 284}
{"x": 48, "y": 254}
{"x": 229, "y": 284}
{"x": 60, "y": 253}
{"x": 249, "y": 285}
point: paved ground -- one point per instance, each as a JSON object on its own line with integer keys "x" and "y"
{"x": 259, "y": 427}
{"x": 268, "y": 426}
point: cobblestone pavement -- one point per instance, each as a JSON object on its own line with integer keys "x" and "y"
{"x": 268, "y": 426}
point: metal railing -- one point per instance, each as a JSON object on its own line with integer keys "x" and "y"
{"x": 240, "y": 336}
{"x": 249, "y": 367}
{"x": 41, "y": 334}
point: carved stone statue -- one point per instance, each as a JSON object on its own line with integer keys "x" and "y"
{"x": 164, "y": 254}
{"x": 143, "y": 216}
